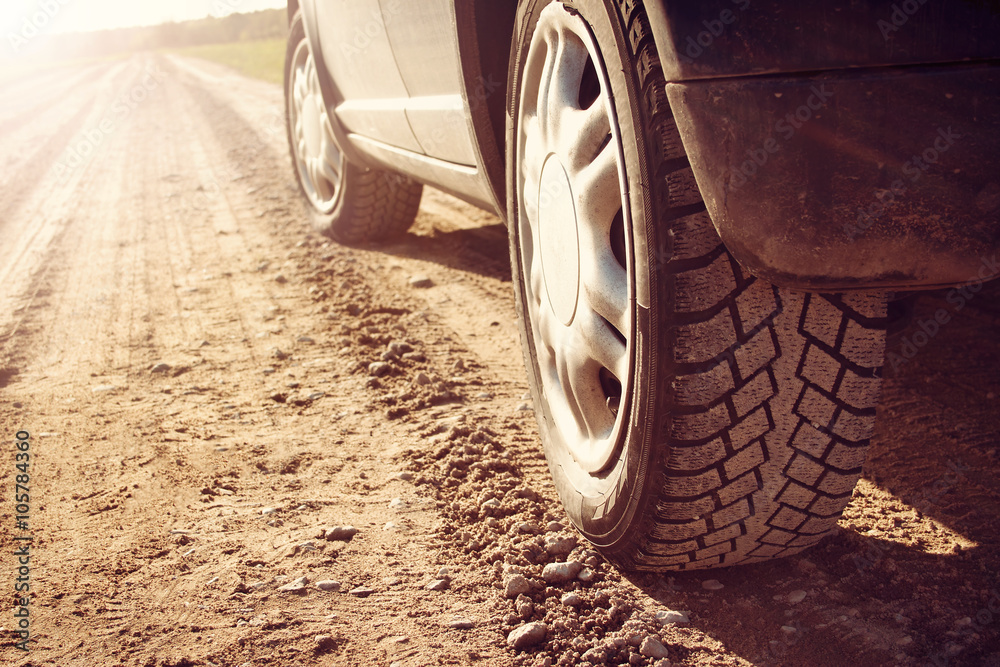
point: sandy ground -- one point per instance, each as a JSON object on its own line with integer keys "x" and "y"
{"x": 190, "y": 366}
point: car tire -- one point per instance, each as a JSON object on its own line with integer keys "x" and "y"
{"x": 692, "y": 415}
{"x": 348, "y": 203}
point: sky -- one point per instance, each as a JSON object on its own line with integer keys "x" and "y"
{"x": 24, "y": 18}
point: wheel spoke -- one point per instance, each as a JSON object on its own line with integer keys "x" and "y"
{"x": 605, "y": 289}
{"x": 591, "y": 128}
{"x": 599, "y": 189}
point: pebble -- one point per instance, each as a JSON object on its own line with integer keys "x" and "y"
{"x": 491, "y": 504}
{"x": 669, "y": 617}
{"x": 796, "y": 597}
{"x": 296, "y": 586}
{"x": 160, "y": 368}
{"x": 404, "y": 476}
{"x": 279, "y": 354}
{"x": 560, "y": 573}
{"x": 557, "y": 545}
{"x": 571, "y": 599}
{"x": 524, "y": 407}
{"x": 586, "y": 575}
{"x": 361, "y": 591}
{"x": 439, "y": 585}
{"x": 270, "y": 370}
{"x": 553, "y": 527}
{"x": 461, "y": 623}
{"x": 343, "y": 533}
{"x": 378, "y": 368}
{"x": 421, "y": 282}
{"x": 268, "y": 510}
{"x": 306, "y": 340}
{"x": 652, "y": 648}
{"x": 527, "y": 635}
{"x": 422, "y": 379}
{"x": 280, "y": 279}
{"x": 515, "y": 585}
{"x": 328, "y": 585}
{"x": 789, "y": 629}
{"x": 712, "y": 585}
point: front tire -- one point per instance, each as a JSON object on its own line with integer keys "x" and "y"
{"x": 346, "y": 202}
{"x": 692, "y": 415}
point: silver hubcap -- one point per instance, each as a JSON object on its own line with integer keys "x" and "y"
{"x": 572, "y": 219}
{"x": 319, "y": 160}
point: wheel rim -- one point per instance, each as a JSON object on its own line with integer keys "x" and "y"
{"x": 572, "y": 222}
{"x": 317, "y": 156}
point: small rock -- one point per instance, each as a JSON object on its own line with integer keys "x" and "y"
{"x": 527, "y": 635}
{"x": 378, "y": 369}
{"x": 796, "y": 597}
{"x": 669, "y": 617}
{"x": 397, "y": 503}
{"x": 904, "y": 641}
{"x": 524, "y": 407}
{"x": 342, "y": 533}
{"x": 652, "y": 648}
{"x": 160, "y": 368}
{"x": 323, "y": 641}
{"x": 557, "y": 545}
{"x": 553, "y": 527}
{"x": 306, "y": 340}
{"x": 516, "y": 585}
{"x": 361, "y": 591}
{"x": 268, "y": 510}
{"x": 421, "y": 282}
{"x": 404, "y": 476}
{"x": 279, "y": 354}
{"x": 399, "y": 348}
{"x": 789, "y": 629}
{"x": 586, "y": 575}
{"x": 490, "y": 504}
{"x": 571, "y": 599}
{"x": 461, "y": 623}
{"x": 712, "y": 585}
{"x": 328, "y": 585}
{"x": 280, "y": 279}
{"x": 560, "y": 573}
{"x": 439, "y": 585}
{"x": 422, "y": 379}
{"x": 296, "y": 586}
{"x": 529, "y": 528}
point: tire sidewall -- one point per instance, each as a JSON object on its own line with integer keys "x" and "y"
{"x": 605, "y": 509}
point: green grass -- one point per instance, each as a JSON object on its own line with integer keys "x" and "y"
{"x": 264, "y": 59}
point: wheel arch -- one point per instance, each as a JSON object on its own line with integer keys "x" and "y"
{"x": 485, "y": 29}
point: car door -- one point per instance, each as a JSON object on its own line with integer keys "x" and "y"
{"x": 423, "y": 36}
{"x": 355, "y": 46}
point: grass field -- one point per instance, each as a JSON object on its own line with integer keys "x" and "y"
{"x": 263, "y": 59}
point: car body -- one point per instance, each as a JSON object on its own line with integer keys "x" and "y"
{"x": 897, "y": 153}
{"x": 709, "y": 205}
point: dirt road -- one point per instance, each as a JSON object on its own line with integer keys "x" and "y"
{"x": 190, "y": 370}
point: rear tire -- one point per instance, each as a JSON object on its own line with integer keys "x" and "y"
{"x": 348, "y": 203}
{"x": 692, "y": 416}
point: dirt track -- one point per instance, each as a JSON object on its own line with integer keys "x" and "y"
{"x": 192, "y": 364}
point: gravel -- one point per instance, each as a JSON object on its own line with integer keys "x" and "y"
{"x": 526, "y": 636}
